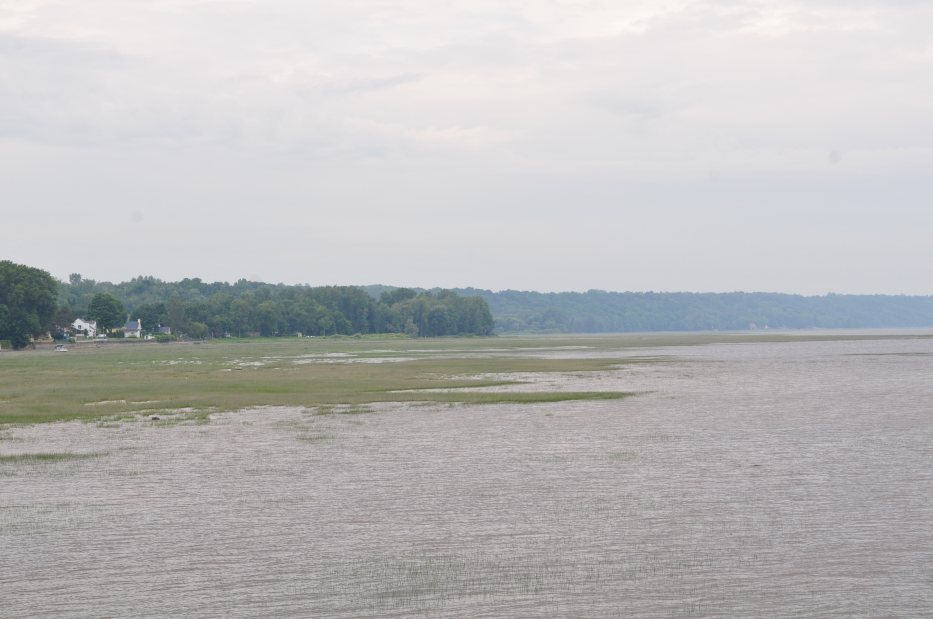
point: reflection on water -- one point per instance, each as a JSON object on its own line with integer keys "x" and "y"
{"x": 752, "y": 480}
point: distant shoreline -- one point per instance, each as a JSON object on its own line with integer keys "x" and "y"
{"x": 661, "y": 338}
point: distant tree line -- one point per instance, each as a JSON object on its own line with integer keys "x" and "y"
{"x": 545, "y": 320}
{"x": 33, "y": 303}
{"x": 77, "y": 292}
{"x": 328, "y": 310}
{"x": 199, "y": 309}
{"x": 598, "y": 311}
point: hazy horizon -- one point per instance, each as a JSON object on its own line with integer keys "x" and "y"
{"x": 695, "y": 146}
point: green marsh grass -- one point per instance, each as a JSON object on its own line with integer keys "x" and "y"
{"x": 29, "y": 458}
{"x": 101, "y": 381}
{"x": 111, "y": 382}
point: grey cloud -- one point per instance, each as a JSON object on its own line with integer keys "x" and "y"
{"x": 638, "y": 109}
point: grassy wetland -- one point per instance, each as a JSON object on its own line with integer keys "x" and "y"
{"x": 765, "y": 475}
{"x": 93, "y": 381}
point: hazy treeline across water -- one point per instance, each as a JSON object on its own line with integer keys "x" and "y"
{"x": 598, "y": 311}
{"x": 594, "y": 311}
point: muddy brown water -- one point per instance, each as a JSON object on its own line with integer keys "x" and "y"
{"x": 750, "y": 480}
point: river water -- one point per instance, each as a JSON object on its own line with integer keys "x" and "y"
{"x": 747, "y": 480}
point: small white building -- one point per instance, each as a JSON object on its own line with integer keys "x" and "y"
{"x": 87, "y": 327}
{"x": 133, "y": 328}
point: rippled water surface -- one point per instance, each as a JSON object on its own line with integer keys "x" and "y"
{"x": 749, "y": 480}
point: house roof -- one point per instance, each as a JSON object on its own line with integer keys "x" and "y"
{"x": 133, "y": 324}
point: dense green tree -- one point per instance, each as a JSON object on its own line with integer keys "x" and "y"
{"x": 399, "y": 294}
{"x": 266, "y": 318}
{"x": 446, "y": 313}
{"x": 251, "y": 306}
{"x": 176, "y": 313}
{"x": 386, "y": 319}
{"x": 219, "y": 303}
{"x": 325, "y": 324}
{"x": 197, "y": 330}
{"x": 342, "y": 325}
{"x": 107, "y": 310}
{"x": 239, "y": 315}
{"x": 63, "y": 317}
{"x": 151, "y": 315}
{"x": 436, "y": 321}
{"x": 28, "y": 302}
{"x": 546, "y": 320}
{"x": 62, "y": 320}
{"x": 348, "y": 303}
{"x": 263, "y": 294}
{"x": 220, "y": 325}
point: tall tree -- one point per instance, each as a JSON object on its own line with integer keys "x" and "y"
{"x": 175, "y": 313}
{"x": 399, "y": 294}
{"x": 197, "y": 330}
{"x": 435, "y": 321}
{"x": 151, "y": 315}
{"x": 28, "y": 301}
{"x": 107, "y": 310}
{"x": 266, "y": 318}
{"x": 239, "y": 315}
{"x": 63, "y": 317}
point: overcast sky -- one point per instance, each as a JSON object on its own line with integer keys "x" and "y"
{"x": 548, "y": 145}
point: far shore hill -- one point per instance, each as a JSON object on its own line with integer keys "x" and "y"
{"x": 598, "y": 311}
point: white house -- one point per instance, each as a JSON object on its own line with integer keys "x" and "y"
{"x": 89, "y": 327}
{"x": 133, "y": 328}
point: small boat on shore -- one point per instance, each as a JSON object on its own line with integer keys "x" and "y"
{"x": 60, "y": 348}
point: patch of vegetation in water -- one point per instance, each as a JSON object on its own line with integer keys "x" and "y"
{"x": 50, "y": 457}
{"x": 128, "y": 381}
{"x": 136, "y": 383}
{"x": 537, "y": 397}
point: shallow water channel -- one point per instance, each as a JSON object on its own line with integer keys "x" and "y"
{"x": 748, "y": 480}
